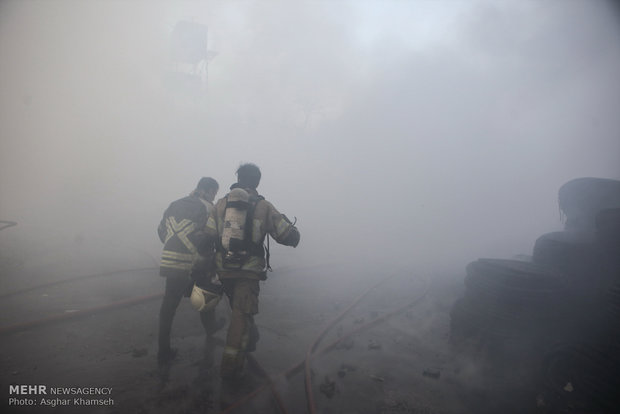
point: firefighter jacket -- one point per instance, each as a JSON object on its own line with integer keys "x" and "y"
{"x": 182, "y": 230}
{"x": 266, "y": 220}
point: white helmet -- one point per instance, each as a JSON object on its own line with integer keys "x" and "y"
{"x": 204, "y": 300}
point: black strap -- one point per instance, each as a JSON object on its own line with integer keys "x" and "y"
{"x": 267, "y": 255}
{"x": 241, "y": 205}
{"x": 249, "y": 222}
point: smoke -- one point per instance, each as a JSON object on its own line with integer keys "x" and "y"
{"x": 422, "y": 133}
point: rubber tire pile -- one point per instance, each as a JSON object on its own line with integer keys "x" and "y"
{"x": 508, "y": 306}
{"x": 562, "y": 309}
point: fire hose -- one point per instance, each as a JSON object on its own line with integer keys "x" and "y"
{"x": 289, "y": 373}
{"x": 6, "y": 224}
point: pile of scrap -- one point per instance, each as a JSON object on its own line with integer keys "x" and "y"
{"x": 559, "y": 311}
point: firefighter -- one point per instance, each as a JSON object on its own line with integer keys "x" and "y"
{"x": 186, "y": 261}
{"x": 240, "y": 222}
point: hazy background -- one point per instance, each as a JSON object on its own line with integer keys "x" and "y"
{"x": 428, "y": 133}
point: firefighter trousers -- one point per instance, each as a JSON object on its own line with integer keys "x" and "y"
{"x": 242, "y": 332}
{"x": 177, "y": 286}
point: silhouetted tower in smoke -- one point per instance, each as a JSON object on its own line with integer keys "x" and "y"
{"x": 189, "y": 58}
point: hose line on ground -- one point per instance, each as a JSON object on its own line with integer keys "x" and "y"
{"x": 4, "y": 224}
{"x": 73, "y": 279}
{"x": 295, "y": 369}
{"x": 61, "y": 317}
{"x": 312, "y": 350}
{"x": 310, "y": 354}
{"x": 319, "y": 338}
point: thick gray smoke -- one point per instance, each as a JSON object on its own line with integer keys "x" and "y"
{"x": 419, "y": 133}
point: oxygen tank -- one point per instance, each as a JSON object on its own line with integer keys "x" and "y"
{"x": 233, "y": 234}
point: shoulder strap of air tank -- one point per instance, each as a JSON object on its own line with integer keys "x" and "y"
{"x": 249, "y": 221}
{"x": 218, "y": 240}
{"x": 267, "y": 255}
{"x": 266, "y": 247}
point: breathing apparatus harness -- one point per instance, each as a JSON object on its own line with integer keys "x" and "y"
{"x": 236, "y": 241}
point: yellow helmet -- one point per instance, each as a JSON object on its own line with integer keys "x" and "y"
{"x": 204, "y": 300}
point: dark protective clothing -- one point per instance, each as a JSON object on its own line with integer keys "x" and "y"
{"x": 182, "y": 230}
{"x": 241, "y": 284}
{"x": 177, "y": 286}
{"x": 187, "y": 257}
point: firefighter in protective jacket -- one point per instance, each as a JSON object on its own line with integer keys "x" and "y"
{"x": 240, "y": 222}
{"x": 187, "y": 259}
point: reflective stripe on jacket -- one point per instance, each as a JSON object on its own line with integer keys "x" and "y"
{"x": 182, "y": 230}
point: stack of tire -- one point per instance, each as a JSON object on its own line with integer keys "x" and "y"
{"x": 608, "y": 240}
{"x": 562, "y": 294}
{"x": 574, "y": 254}
{"x": 587, "y": 252}
{"x": 608, "y": 232}
{"x": 583, "y": 199}
{"x": 581, "y": 373}
{"x": 591, "y": 363}
{"x": 608, "y": 227}
{"x": 508, "y": 305}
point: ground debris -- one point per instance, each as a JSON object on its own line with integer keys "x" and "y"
{"x": 374, "y": 345}
{"x": 432, "y": 373}
{"x": 328, "y": 387}
{"x": 344, "y": 368}
{"x": 390, "y": 406}
{"x": 376, "y": 378}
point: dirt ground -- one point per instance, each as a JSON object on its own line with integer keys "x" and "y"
{"x": 405, "y": 363}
